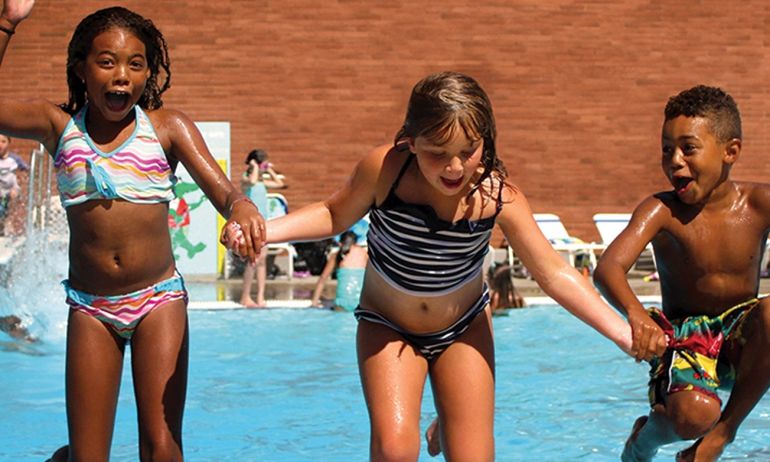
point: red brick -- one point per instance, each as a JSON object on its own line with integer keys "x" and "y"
{"x": 578, "y": 87}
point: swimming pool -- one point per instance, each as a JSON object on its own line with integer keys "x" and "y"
{"x": 282, "y": 385}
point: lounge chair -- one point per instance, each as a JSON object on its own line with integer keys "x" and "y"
{"x": 553, "y": 230}
{"x": 277, "y": 206}
{"x": 610, "y": 225}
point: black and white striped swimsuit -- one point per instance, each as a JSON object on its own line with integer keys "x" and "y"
{"x": 420, "y": 254}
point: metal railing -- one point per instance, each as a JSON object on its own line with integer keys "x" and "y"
{"x": 44, "y": 211}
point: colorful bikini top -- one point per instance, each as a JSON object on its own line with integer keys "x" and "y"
{"x": 418, "y": 253}
{"x": 137, "y": 171}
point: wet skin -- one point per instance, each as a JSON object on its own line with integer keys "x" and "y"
{"x": 708, "y": 235}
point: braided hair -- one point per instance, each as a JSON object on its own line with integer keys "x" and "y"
{"x": 120, "y": 18}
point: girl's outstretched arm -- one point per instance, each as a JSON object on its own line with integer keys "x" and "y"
{"x": 557, "y": 278}
{"x": 37, "y": 119}
{"x": 14, "y": 12}
{"x": 337, "y": 213}
{"x": 186, "y": 145}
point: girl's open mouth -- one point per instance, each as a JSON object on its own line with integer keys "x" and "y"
{"x": 117, "y": 101}
{"x": 452, "y": 183}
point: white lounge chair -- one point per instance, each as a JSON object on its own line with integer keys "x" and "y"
{"x": 553, "y": 230}
{"x": 610, "y": 225}
{"x": 278, "y": 206}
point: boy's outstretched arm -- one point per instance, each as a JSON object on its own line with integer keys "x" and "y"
{"x": 610, "y": 277}
{"x": 336, "y": 214}
{"x": 556, "y": 277}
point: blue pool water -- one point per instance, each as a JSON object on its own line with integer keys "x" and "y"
{"x": 282, "y": 385}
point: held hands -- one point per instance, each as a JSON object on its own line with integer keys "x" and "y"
{"x": 15, "y": 11}
{"x": 649, "y": 340}
{"x": 244, "y": 232}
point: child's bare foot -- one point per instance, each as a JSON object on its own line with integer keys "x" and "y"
{"x": 249, "y": 303}
{"x": 61, "y": 455}
{"x": 631, "y": 453}
{"x": 700, "y": 451}
{"x": 433, "y": 437}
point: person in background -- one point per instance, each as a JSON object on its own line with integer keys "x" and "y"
{"x": 14, "y": 327}
{"x": 259, "y": 176}
{"x": 349, "y": 261}
{"x": 502, "y": 290}
{"x": 9, "y": 184}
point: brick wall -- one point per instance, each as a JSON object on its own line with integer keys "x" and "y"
{"x": 578, "y": 87}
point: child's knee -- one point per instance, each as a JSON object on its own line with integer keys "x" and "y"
{"x": 692, "y": 414}
{"x": 392, "y": 446}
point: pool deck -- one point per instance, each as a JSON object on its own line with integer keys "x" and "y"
{"x": 296, "y": 293}
{"x": 219, "y": 293}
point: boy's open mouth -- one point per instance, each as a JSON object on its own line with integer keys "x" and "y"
{"x": 681, "y": 184}
{"x": 117, "y": 100}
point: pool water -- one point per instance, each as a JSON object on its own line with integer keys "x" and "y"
{"x": 282, "y": 385}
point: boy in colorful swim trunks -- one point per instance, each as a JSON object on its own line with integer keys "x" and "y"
{"x": 711, "y": 332}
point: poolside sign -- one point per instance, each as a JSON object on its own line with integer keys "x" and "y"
{"x": 192, "y": 219}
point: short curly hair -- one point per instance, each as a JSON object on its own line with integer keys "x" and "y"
{"x": 711, "y": 103}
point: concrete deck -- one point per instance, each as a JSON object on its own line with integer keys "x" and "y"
{"x": 217, "y": 293}
{"x": 296, "y": 293}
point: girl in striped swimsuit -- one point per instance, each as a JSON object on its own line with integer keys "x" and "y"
{"x": 114, "y": 150}
{"x": 433, "y": 198}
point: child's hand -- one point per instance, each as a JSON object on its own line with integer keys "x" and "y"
{"x": 232, "y": 236}
{"x": 649, "y": 340}
{"x": 244, "y": 233}
{"x": 15, "y": 11}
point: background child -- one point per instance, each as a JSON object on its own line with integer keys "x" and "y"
{"x": 433, "y": 198}
{"x": 708, "y": 234}
{"x": 502, "y": 290}
{"x": 114, "y": 150}
{"x": 349, "y": 261}
{"x": 259, "y": 176}
{"x": 9, "y": 184}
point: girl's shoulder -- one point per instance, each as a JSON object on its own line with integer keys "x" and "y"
{"x": 57, "y": 118}
{"x": 497, "y": 187}
{"x": 383, "y": 162}
{"x": 170, "y": 125}
{"x": 386, "y": 156}
{"x": 165, "y": 118}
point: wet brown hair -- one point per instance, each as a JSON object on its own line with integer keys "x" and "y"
{"x": 443, "y": 102}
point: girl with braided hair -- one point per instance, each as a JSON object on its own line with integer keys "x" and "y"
{"x": 115, "y": 148}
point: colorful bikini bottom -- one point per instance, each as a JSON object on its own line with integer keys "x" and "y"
{"x": 123, "y": 313}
